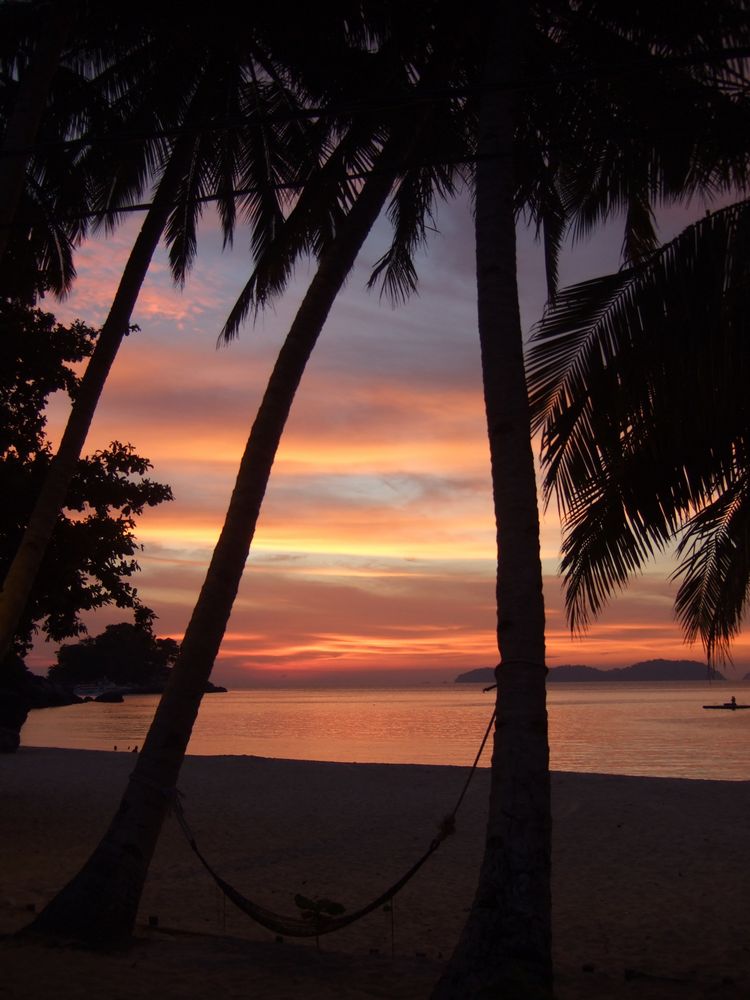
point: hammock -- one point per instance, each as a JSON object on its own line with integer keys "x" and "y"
{"x": 320, "y": 923}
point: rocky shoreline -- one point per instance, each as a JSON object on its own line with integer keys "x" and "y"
{"x": 22, "y": 691}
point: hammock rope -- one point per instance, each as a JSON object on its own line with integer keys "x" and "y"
{"x": 320, "y": 923}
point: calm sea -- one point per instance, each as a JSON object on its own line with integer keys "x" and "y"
{"x": 614, "y": 728}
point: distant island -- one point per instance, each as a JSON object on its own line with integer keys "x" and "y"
{"x": 646, "y": 670}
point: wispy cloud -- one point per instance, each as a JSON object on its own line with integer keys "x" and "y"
{"x": 375, "y": 548}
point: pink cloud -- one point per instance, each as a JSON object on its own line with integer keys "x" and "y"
{"x": 375, "y": 548}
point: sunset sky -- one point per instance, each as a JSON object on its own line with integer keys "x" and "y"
{"x": 375, "y": 550}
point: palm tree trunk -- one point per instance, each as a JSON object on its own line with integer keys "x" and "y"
{"x": 22, "y": 572}
{"x": 505, "y": 947}
{"x": 30, "y": 104}
{"x": 98, "y": 907}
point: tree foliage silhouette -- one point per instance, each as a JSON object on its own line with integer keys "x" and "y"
{"x": 636, "y": 382}
{"x": 92, "y": 555}
{"x": 568, "y": 114}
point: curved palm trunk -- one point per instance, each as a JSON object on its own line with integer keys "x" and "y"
{"x": 22, "y": 572}
{"x": 99, "y": 906}
{"x": 27, "y": 114}
{"x": 505, "y": 947}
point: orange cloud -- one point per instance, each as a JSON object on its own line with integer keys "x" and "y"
{"x": 375, "y": 547}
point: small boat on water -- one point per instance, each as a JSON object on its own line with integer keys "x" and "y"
{"x": 728, "y": 706}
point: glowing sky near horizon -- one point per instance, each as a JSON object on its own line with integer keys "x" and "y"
{"x": 375, "y": 549}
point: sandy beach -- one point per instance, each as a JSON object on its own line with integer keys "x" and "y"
{"x": 651, "y": 880}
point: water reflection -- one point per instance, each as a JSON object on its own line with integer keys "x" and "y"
{"x": 616, "y": 728}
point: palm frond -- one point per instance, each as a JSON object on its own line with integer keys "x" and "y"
{"x": 539, "y": 197}
{"x": 637, "y": 382}
{"x": 575, "y": 336}
{"x": 714, "y": 571}
{"x": 602, "y": 549}
{"x": 46, "y": 237}
{"x": 662, "y": 129}
{"x": 308, "y": 228}
{"x": 640, "y": 240}
{"x": 670, "y": 313}
{"x": 410, "y": 213}
{"x": 428, "y": 174}
{"x": 181, "y": 231}
{"x": 271, "y": 157}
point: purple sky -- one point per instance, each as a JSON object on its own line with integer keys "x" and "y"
{"x": 375, "y": 551}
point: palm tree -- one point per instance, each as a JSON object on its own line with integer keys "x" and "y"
{"x": 637, "y": 382}
{"x": 44, "y": 99}
{"x": 505, "y": 946}
{"x": 575, "y": 132}
{"x": 506, "y": 943}
{"x": 53, "y": 55}
{"x": 99, "y": 905}
{"x": 30, "y": 102}
{"x": 195, "y": 96}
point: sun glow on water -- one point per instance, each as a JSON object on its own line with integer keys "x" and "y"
{"x": 617, "y": 728}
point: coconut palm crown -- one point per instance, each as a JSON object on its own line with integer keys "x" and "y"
{"x": 638, "y": 384}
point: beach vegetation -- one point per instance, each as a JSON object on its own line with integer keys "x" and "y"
{"x": 42, "y": 96}
{"x": 641, "y": 464}
{"x": 91, "y": 559}
{"x": 567, "y": 116}
{"x": 125, "y": 654}
{"x": 93, "y": 907}
{"x": 201, "y": 102}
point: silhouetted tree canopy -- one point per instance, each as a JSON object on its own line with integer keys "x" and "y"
{"x": 91, "y": 557}
{"x": 123, "y": 653}
{"x": 638, "y": 383}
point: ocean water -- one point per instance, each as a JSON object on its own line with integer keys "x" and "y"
{"x": 611, "y": 728}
